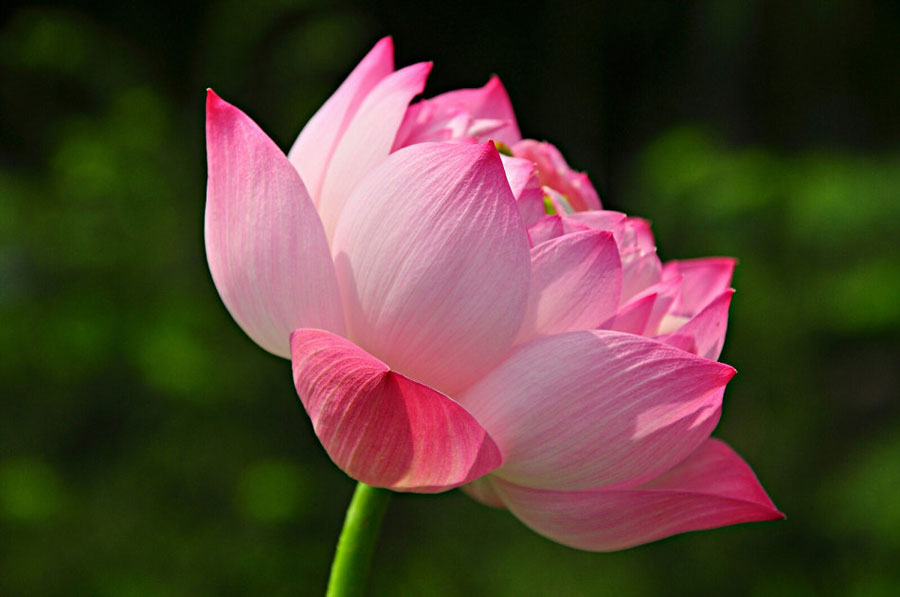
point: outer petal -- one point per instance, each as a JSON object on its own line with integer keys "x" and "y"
{"x": 433, "y": 263}
{"x": 704, "y": 335}
{"x": 264, "y": 242}
{"x": 593, "y": 408}
{"x": 713, "y": 487}
{"x": 702, "y": 280}
{"x": 576, "y": 280}
{"x": 314, "y": 147}
{"x": 368, "y": 138}
{"x": 382, "y": 428}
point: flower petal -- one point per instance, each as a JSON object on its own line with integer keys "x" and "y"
{"x": 593, "y": 408}
{"x": 521, "y": 175}
{"x": 482, "y": 490}
{"x": 524, "y": 185}
{"x": 713, "y": 487}
{"x": 382, "y": 428}
{"x": 490, "y": 102}
{"x": 576, "y": 280}
{"x": 368, "y": 138}
{"x": 702, "y": 280}
{"x": 667, "y": 293}
{"x": 704, "y": 335}
{"x": 315, "y": 145}
{"x": 464, "y": 115}
{"x": 602, "y": 219}
{"x": 555, "y": 173}
{"x": 633, "y": 316}
{"x": 545, "y": 229}
{"x": 264, "y": 242}
{"x": 433, "y": 263}
{"x": 641, "y": 267}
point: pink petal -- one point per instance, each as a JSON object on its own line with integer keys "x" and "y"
{"x": 576, "y": 280}
{"x": 531, "y": 206}
{"x": 382, "y": 428}
{"x": 602, "y": 219}
{"x": 560, "y": 202}
{"x": 545, "y": 229}
{"x": 702, "y": 280}
{"x": 520, "y": 174}
{"x": 667, "y": 293}
{"x": 368, "y": 138}
{"x": 641, "y": 267}
{"x": 635, "y": 233}
{"x": 264, "y": 242}
{"x": 483, "y": 491}
{"x": 713, "y": 487}
{"x": 314, "y": 147}
{"x": 593, "y": 408}
{"x": 490, "y": 102}
{"x": 555, "y": 173}
{"x": 633, "y": 316}
{"x": 433, "y": 263}
{"x": 524, "y": 185}
{"x": 704, "y": 335}
{"x": 571, "y": 226}
{"x": 640, "y": 271}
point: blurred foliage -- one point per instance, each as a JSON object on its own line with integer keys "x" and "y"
{"x": 147, "y": 447}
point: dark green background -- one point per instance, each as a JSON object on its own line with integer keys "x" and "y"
{"x": 147, "y": 447}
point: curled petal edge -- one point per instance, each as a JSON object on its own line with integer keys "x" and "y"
{"x": 383, "y": 428}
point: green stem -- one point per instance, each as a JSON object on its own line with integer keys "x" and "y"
{"x": 357, "y": 543}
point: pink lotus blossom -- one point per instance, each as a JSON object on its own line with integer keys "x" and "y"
{"x": 458, "y": 317}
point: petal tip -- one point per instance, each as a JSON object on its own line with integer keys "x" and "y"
{"x": 217, "y": 109}
{"x": 489, "y": 151}
{"x": 493, "y": 82}
{"x": 213, "y": 101}
{"x": 386, "y": 42}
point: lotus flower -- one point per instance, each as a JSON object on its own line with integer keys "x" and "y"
{"x": 460, "y": 317}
